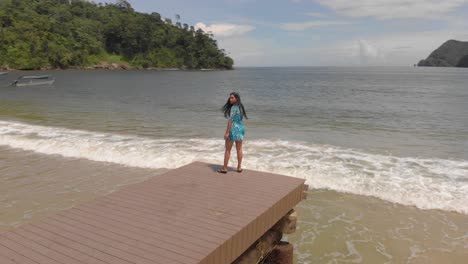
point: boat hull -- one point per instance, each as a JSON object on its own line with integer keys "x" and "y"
{"x": 32, "y": 83}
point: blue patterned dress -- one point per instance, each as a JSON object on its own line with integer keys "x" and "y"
{"x": 237, "y": 129}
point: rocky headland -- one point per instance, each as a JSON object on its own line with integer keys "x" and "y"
{"x": 452, "y": 53}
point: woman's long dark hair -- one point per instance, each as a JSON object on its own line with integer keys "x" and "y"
{"x": 227, "y": 106}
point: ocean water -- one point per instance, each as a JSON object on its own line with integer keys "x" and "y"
{"x": 387, "y": 140}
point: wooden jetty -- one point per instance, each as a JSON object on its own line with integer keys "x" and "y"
{"x": 187, "y": 215}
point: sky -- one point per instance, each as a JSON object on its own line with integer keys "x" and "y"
{"x": 322, "y": 32}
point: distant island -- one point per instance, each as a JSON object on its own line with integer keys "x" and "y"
{"x": 61, "y": 34}
{"x": 452, "y": 53}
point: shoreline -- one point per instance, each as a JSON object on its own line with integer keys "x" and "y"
{"x": 114, "y": 67}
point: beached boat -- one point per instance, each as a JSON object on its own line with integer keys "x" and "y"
{"x": 34, "y": 80}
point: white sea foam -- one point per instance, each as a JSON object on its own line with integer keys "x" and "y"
{"x": 425, "y": 183}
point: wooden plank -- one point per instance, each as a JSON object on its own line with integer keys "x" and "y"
{"x": 190, "y": 212}
{"x": 175, "y": 214}
{"x": 67, "y": 251}
{"x": 45, "y": 251}
{"x": 5, "y": 260}
{"x": 14, "y": 256}
{"x": 204, "y": 199}
{"x": 188, "y": 215}
{"x": 134, "y": 245}
{"x": 194, "y": 235}
{"x": 117, "y": 226}
{"x": 136, "y": 254}
{"x": 77, "y": 245}
{"x": 39, "y": 258}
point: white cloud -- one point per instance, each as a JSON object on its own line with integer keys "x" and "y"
{"x": 368, "y": 53}
{"x": 316, "y": 14}
{"x": 388, "y": 9}
{"x": 366, "y": 50}
{"x": 246, "y": 51}
{"x": 224, "y": 30}
{"x": 311, "y": 24}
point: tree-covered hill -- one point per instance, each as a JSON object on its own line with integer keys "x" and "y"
{"x": 37, "y": 34}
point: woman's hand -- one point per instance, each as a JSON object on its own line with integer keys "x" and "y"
{"x": 226, "y": 136}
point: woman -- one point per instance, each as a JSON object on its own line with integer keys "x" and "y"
{"x": 234, "y": 109}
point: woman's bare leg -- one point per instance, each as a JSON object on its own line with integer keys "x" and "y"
{"x": 239, "y": 155}
{"x": 227, "y": 154}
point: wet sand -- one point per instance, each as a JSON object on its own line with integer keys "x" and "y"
{"x": 344, "y": 228}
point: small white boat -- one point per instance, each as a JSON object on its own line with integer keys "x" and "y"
{"x": 35, "y": 77}
{"x": 33, "y": 80}
{"x": 3, "y": 73}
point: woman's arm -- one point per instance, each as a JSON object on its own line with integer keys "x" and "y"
{"x": 228, "y": 128}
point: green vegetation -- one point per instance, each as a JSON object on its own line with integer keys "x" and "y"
{"x": 38, "y": 34}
